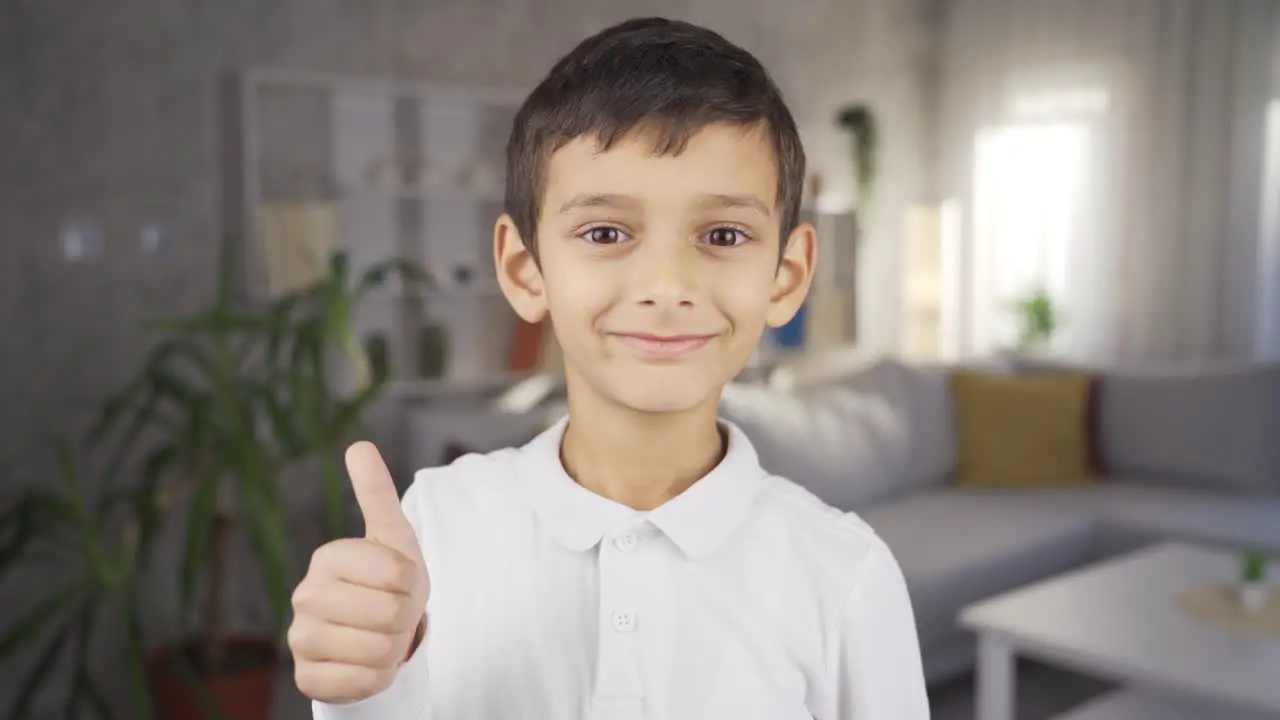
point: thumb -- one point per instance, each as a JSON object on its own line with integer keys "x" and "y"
{"x": 384, "y": 521}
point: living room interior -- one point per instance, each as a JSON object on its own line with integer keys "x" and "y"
{"x": 1041, "y": 356}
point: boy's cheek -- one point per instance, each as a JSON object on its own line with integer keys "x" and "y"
{"x": 578, "y": 292}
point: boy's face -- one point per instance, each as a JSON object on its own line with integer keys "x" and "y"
{"x": 659, "y": 273}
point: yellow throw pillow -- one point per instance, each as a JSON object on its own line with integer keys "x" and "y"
{"x": 1021, "y": 431}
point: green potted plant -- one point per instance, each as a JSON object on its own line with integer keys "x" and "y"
{"x": 1253, "y": 588}
{"x": 1037, "y": 319}
{"x": 227, "y": 401}
{"x": 97, "y": 557}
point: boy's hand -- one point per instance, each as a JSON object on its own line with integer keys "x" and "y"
{"x": 359, "y": 612}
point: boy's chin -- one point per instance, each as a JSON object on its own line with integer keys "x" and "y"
{"x": 664, "y": 398}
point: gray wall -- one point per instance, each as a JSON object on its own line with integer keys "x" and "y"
{"x": 108, "y": 113}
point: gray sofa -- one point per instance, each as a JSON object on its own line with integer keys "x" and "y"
{"x": 1189, "y": 455}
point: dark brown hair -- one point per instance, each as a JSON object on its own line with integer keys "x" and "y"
{"x": 670, "y": 77}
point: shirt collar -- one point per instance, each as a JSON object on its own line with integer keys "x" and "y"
{"x": 697, "y": 521}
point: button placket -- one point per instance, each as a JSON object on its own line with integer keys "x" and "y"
{"x": 624, "y": 621}
{"x": 622, "y": 586}
{"x": 626, "y": 542}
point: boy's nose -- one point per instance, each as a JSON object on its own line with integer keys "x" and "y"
{"x": 665, "y": 277}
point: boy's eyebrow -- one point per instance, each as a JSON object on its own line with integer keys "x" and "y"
{"x": 594, "y": 200}
{"x": 714, "y": 200}
{"x": 751, "y": 202}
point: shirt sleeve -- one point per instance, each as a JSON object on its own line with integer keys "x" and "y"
{"x": 877, "y": 667}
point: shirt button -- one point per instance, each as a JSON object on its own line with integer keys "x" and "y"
{"x": 626, "y": 541}
{"x": 624, "y": 621}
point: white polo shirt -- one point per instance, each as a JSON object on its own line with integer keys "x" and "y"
{"x": 744, "y": 597}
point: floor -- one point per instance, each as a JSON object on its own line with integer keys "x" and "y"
{"x": 1042, "y": 693}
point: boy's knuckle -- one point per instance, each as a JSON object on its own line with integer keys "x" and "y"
{"x": 384, "y": 612}
{"x": 406, "y": 574}
{"x": 302, "y": 637}
{"x": 384, "y": 651}
{"x": 305, "y": 677}
{"x": 302, "y": 596}
{"x": 365, "y": 681}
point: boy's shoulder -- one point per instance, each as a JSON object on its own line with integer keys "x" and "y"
{"x": 823, "y": 532}
{"x": 474, "y": 476}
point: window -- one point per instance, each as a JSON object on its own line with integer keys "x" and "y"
{"x": 1031, "y": 209}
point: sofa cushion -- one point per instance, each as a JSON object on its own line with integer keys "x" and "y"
{"x": 1035, "y": 364}
{"x": 921, "y": 398}
{"x": 1216, "y": 430}
{"x": 956, "y": 547}
{"x": 1021, "y": 431}
{"x": 845, "y": 446}
{"x": 1211, "y": 428}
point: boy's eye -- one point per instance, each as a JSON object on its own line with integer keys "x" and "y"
{"x": 725, "y": 237}
{"x": 604, "y": 236}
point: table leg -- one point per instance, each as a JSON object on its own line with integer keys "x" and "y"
{"x": 996, "y": 690}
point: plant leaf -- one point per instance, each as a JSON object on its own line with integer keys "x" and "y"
{"x": 281, "y": 316}
{"x": 339, "y": 264}
{"x": 173, "y": 388}
{"x": 266, "y": 521}
{"x": 159, "y": 382}
{"x": 22, "y": 630}
{"x": 39, "y": 673}
{"x": 145, "y": 500}
{"x": 26, "y": 522}
{"x": 80, "y": 683}
{"x": 335, "y": 496}
{"x": 115, "y": 406}
{"x": 137, "y": 661}
{"x": 282, "y": 423}
{"x": 97, "y": 699}
{"x": 200, "y": 519}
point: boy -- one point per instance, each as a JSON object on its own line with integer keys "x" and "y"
{"x": 634, "y": 561}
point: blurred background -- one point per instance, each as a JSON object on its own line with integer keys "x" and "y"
{"x": 238, "y": 235}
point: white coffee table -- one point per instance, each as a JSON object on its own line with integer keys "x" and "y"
{"x": 1121, "y": 620}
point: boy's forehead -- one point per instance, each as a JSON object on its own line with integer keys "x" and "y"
{"x": 719, "y": 159}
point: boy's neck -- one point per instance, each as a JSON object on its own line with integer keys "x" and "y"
{"x": 638, "y": 459}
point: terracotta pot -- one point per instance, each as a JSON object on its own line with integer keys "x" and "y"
{"x": 243, "y": 693}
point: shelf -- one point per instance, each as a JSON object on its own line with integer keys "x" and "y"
{"x": 440, "y": 388}
{"x": 408, "y": 170}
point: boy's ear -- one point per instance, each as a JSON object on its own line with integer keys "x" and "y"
{"x": 795, "y": 275}
{"x": 518, "y": 273}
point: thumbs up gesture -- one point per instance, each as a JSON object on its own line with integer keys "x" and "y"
{"x": 359, "y": 612}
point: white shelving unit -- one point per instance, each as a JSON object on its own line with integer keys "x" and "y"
{"x": 406, "y": 169}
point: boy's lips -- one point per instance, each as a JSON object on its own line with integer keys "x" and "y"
{"x": 663, "y": 346}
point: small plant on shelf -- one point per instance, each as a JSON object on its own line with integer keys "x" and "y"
{"x": 1253, "y": 580}
{"x": 1254, "y": 567}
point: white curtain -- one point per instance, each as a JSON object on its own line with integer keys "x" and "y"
{"x": 1111, "y": 152}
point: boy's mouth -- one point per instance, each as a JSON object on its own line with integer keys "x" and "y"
{"x": 662, "y": 346}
